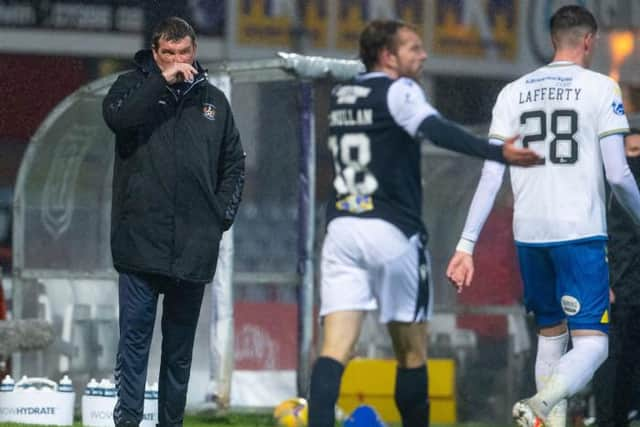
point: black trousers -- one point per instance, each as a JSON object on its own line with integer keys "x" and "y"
{"x": 138, "y": 299}
{"x": 615, "y": 383}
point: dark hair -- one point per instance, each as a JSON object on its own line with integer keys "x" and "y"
{"x": 570, "y": 18}
{"x": 379, "y": 34}
{"x": 172, "y": 29}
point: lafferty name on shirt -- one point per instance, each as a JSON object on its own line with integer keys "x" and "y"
{"x": 550, "y": 94}
{"x": 351, "y": 117}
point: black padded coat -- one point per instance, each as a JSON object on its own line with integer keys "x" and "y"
{"x": 178, "y": 172}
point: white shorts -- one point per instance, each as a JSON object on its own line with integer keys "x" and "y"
{"x": 369, "y": 264}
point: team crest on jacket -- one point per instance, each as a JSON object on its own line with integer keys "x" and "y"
{"x": 209, "y": 111}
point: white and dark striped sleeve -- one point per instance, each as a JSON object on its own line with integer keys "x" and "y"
{"x": 411, "y": 111}
{"x": 408, "y": 105}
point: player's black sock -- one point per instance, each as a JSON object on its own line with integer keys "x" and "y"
{"x": 411, "y": 396}
{"x": 324, "y": 389}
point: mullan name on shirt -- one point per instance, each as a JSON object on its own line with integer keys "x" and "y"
{"x": 550, "y": 94}
{"x": 351, "y": 117}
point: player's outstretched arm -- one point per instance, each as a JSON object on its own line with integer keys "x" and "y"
{"x": 411, "y": 111}
{"x": 447, "y": 134}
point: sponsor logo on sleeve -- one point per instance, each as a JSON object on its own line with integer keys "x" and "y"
{"x": 617, "y": 107}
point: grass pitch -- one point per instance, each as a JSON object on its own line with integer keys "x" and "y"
{"x": 251, "y": 420}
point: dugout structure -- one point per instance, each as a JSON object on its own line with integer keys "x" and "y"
{"x": 259, "y": 338}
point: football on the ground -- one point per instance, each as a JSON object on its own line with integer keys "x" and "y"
{"x": 291, "y": 413}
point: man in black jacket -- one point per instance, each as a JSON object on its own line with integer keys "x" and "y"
{"x": 615, "y": 383}
{"x": 177, "y": 183}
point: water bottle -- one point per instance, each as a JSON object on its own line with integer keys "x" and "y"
{"x": 7, "y": 384}
{"x": 65, "y": 385}
{"x": 24, "y": 383}
{"x": 99, "y": 389}
{"x": 108, "y": 388}
{"x": 147, "y": 391}
{"x": 153, "y": 391}
{"x": 91, "y": 389}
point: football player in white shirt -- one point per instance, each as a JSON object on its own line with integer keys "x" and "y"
{"x": 374, "y": 254}
{"x": 574, "y": 118}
